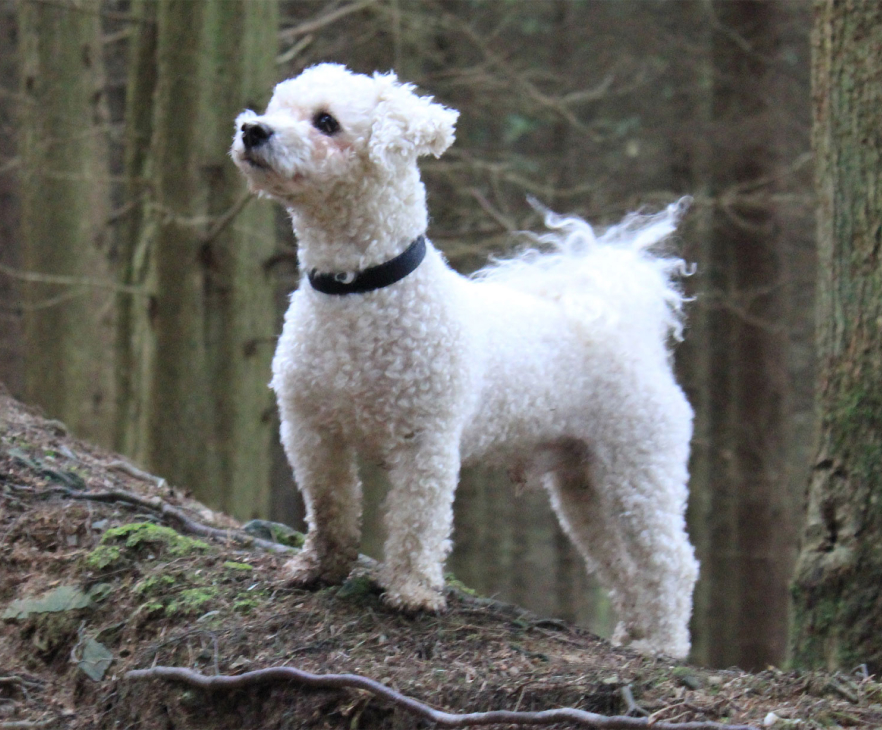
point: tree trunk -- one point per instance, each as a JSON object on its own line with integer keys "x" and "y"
{"x": 195, "y": 356}
{"x": 11, "y": 353}
{"x": 837, "y": 592}
{"x": 67, "y": 320}
{"x": 240, "y": 44}
{"x": 741, "y": 600}
{"x": 180, "y": 429}
{"x": 136, "y": 344}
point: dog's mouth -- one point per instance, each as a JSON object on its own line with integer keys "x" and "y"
{"x": 256, "y": 162}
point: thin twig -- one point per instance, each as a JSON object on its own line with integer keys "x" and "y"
{"x": 294, "y": 50}
{"x": 420, "y": 709}
{"x": 134, "y": 471}
{"x": 310, "y": 26}
{"x": 631, "y": 703}
{"x": 221, "y": 222}
{"x": 504, "y": 222}
{"x": 23, "y": 307}
{"x": 24, "y": 681}
{"x": 41, "y": 278}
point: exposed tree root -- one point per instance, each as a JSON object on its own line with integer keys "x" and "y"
{"x": 439, "y": 717}
{"x": 164, "y": 509}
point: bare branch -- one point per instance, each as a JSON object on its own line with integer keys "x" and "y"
{"x": 496, "y": 215}
{"x": 37, "y": 277}
{"x": 222, "y": 221}
{"x": 310, "y": 26}
{"x": 295, "y": 50}
{"x": 415, "y": 707}
{"x": 20, "y": 308}
{"x": 76, "y": 8}
{"x": 13, "y": 163}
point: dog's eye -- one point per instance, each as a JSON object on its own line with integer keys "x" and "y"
{"x": 326, "y": 124}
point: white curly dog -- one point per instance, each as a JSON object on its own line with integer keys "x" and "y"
{"x": 555, "y": 364}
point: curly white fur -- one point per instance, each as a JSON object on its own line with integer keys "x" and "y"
{"x": 554, "y": 363}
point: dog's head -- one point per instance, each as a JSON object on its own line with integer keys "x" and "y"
{"x": 329, "y": 126}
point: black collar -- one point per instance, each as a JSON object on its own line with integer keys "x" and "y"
{"x": 374, "y": 277}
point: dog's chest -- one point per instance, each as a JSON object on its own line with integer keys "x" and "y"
{"x": 372, "y": 367}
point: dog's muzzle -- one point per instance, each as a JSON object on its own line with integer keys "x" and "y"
{"x": 255, "y": 134}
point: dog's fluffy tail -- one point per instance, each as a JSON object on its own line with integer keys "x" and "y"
{"x": 619, "y": 281}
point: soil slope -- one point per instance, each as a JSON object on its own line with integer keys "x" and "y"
{"x": 100, "y": 575}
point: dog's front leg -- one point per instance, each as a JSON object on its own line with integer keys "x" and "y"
{"x": 419, "y": 519}
{"x": 326, "y": 473}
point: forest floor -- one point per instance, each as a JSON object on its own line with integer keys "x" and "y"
{"x": 100, "y": 575}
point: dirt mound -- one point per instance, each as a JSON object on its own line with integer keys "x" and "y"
{"x": 104, "y": 569}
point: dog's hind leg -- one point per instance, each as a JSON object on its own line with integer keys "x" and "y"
{"x": 326, "y": 473}
{"x": 634, "y": 537}
{"x": 419, "y": 520}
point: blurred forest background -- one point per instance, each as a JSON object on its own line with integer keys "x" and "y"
{"x": 141, "y": 288}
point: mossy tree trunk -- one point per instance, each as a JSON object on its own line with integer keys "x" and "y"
{"x": 837, "y": 592}
{"x": 64, "y": 205}
{"x": 195, "y": 356}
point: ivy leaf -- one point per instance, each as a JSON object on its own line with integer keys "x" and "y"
{"x": 63, "y": 598}
{"x": 95, "y": 660}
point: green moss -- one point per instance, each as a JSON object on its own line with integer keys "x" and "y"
{"x": 836, "y": 624}
{"x": 356, "y": 587}
{"x": 154, "y": 584}
{"x": 855, "y": 422}
{"x": 151, "y": 607}
{"x": 137, "y": 535}
{"x": 103, "y": 557}
{"x": 191, "y": 600}
{"x": 246, "y": 603}
{"x": 453, "y": 582}
{"x": 244, "y": 567}
{"x": 688, "y": 678}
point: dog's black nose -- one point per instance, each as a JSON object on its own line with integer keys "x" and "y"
{"x": 255, "y": 134}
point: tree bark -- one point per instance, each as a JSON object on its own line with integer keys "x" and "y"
{"x": 180, "y": 430}
{"x": 67, "y": 323}
{"x": 135, "y": 342}
{"x": 837, "y": 591}
{"x": 240, "y": 44}
{"x": 741, "y": 599}
{"x": 194, "y": 358}
{"x": 11, "y": 351}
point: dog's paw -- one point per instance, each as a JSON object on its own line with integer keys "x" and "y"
{"x": 412, "y": 596}
{"x": 305, "y": 570}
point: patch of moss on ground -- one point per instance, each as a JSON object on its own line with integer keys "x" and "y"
{"x": 247, "y": 602}
{"x": 453, "y": 582}
{"x": 103, "y": 557}
{"x": 358, "y": 587}
{"x": 191, "y": 600}
{"x": 153, "y": 584}
{"x": 150, "y": 608}
{"x": 243, "y": 567}
{"x": 137, "y": 535}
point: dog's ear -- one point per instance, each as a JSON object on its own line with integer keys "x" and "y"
{"x": 406, "y": 125}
